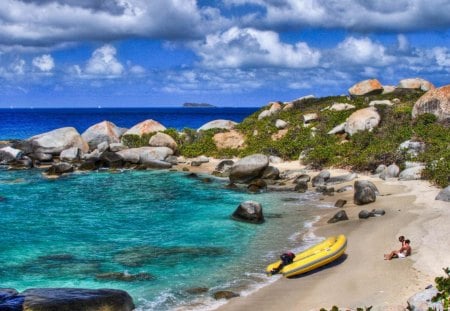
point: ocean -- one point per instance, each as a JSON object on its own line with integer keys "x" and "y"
{"x": 164, "y": 237}
{"x": 24, "y": 123}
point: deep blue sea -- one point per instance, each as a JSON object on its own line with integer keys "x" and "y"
{"x": 172, "y": 230}
{"x": 24, "y": 123}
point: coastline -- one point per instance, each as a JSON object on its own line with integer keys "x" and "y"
{"x": 362, "y": 278}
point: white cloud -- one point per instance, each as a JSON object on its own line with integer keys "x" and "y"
{"x": 44, "y": 63}
{"x": 253, "y": 48}
{"x": 104, "y": 63}
{"x": 40, "y": 23}
{"x": 359, "y": 15}
{"x": 362, "y": 51}
{"x": 442, "y": 56}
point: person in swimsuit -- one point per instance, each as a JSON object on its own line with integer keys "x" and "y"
{"x": 401, "y": 253}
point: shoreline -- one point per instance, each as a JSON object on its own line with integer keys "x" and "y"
{"x": 363, "y": 278}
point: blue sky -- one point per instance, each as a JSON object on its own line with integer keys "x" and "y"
{"x": 133, "y": 53}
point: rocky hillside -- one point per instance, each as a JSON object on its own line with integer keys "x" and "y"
{"x": 407, "y": 125}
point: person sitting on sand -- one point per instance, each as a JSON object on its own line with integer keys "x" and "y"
{"x": 286, "y": 259}
{"x": 401, "y": 253}
{"x": 401, "y": 239}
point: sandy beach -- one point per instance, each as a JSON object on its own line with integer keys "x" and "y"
{"x": 362, "y": 278}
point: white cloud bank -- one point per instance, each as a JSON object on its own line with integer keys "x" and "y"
{"x": 249, "y": 47}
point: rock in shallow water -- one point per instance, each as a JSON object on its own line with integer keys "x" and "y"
{"x": 73, "y": 299}
{"x": 249, "y": 211}
{"x": 122, "y": 276}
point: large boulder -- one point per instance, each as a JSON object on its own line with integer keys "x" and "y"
{"x": 366, "y": 87}
{"x": 101, "y": 132}
{"x": 365, "y": 192}
{"x": 111, "y": 159}
{"x": 421, "y": 301}
{"x": 321, "y": 178}
{"x": 390, "y": 172}
{"x": 163, "y": 140}
{"x": 223, "y": 168}
{"x": 8, "y": 155}
{"x": 248, "y": 168}
{"x": 444, "y": 194}
{"x": 55, "y": 141}
{"x": 145, "y": 127}
{"x": 218, "y": 124}
{"x": 71, "y": 154}
{"x": 145, "y": 155}
{"x": 361, "y": 120}
{"x": 249, "y": 211}
{"x": 416, "y": 83}
{"x": 436, "y": 102}
{"x": 74, "y": 299}
{"x": 412, "y": 173}
{"x": 335, "y": 180}
{"x": 229, "y": 140}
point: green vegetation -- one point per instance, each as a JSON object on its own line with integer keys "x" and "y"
{"x": 443, "y": 286}
{"x": 334, "y": 308}
{"x": 363, "y": 151}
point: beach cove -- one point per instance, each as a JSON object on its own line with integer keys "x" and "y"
{"x": 370, "y": 150}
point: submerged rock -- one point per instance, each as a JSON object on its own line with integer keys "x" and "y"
{"x": 73, "y": 299}
{"x": 124, "y": 276}
{"x": 224, "y": 294}
{"x": 59, "y": 169}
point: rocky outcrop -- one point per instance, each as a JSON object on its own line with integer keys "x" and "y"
{"x": 163, "y": 140}
{"x": 55, "y": 141}
{"x": 280, "y": 124}
{"x": 101, "y": 132}
{"x": 444, "y": 195}
{"x": 111, "y": 160}
{"x": 271, "y": 172}
{"x": 223, "y": 168}
{"x": 365, "y": 192}
{"x": 416, "y": 83}
{"x": 436, "y": 102}
{"x": 224, "y": 294}
{"x": 248, "y": 168}
{"x": 229, "y": 140}
{"x": 249, "y": 211}
{"x": 74, "y": 299}
{"x": 145, "y": 127}
{"x": 218, "y": 124}
{"x": 310, "y": 117}
{"x": 361, "y": 120}
{"x": 8, "y": 155}
{"x": 335, "y": 180}
{"x": 366, "y": 87}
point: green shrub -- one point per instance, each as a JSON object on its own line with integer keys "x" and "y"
{"x": 136, "y": 141}
{"x": 443, "y": 286}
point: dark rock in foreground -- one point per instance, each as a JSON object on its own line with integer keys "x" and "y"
{"x": 339, "y": 216}
{"x": 249, "y": 211}
{"x": 365, "y": 192}
{"x": 65, "y": 299}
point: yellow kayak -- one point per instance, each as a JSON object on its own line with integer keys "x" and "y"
{"x": 314, "y": 257}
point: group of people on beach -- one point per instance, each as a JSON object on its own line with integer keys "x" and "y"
{"x": 403, "y": 252}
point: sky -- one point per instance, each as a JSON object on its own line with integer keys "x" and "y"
{"x": 234, "y": 53}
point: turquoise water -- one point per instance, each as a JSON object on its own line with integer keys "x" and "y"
{"x": 173, "y": 229}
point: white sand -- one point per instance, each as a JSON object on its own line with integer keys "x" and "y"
{"x": 363, "y": 278}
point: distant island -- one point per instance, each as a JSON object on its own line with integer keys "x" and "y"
{"x": 198, "y": 105}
